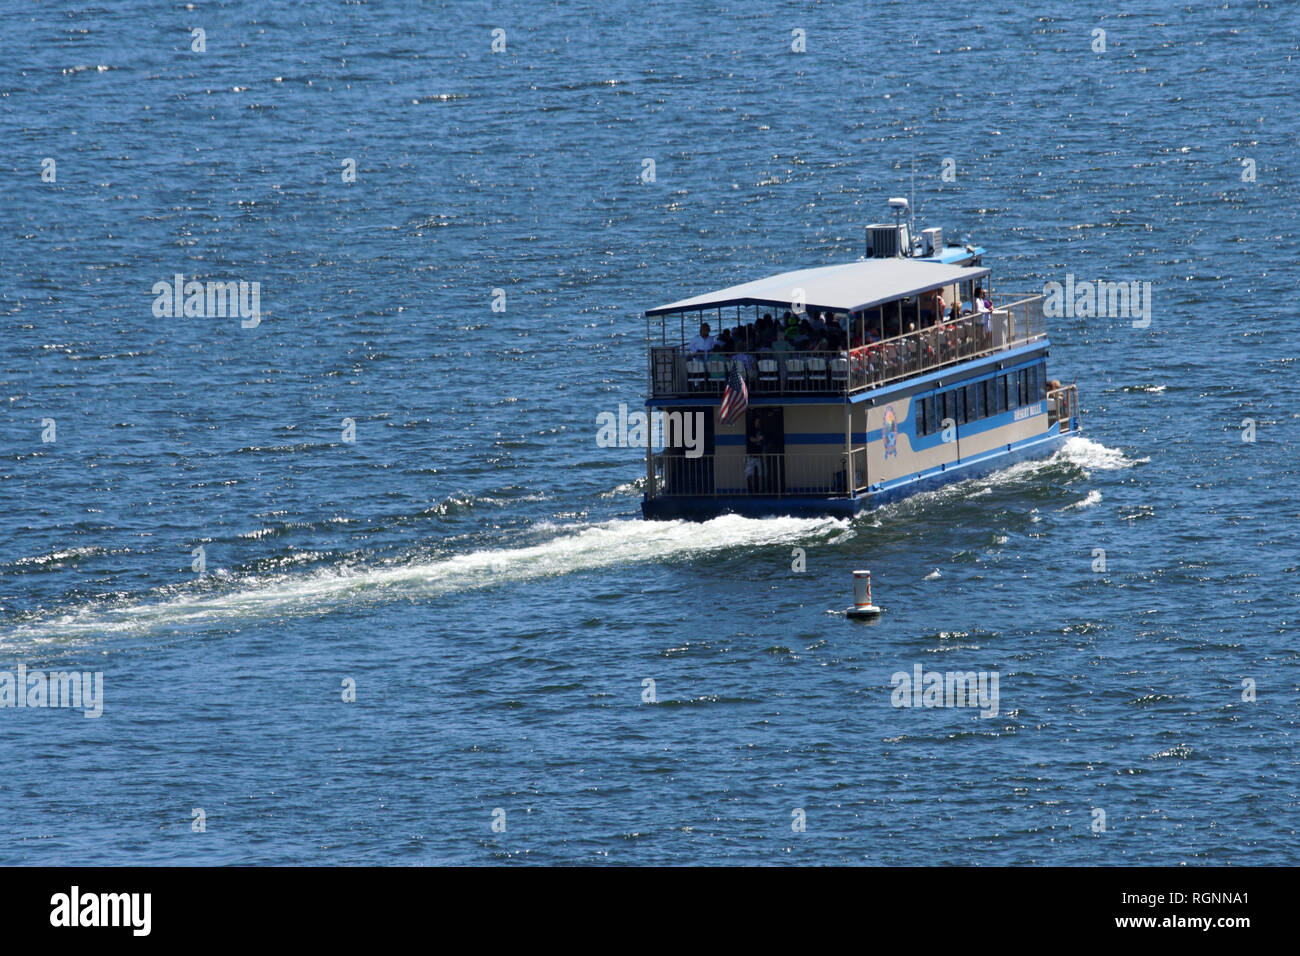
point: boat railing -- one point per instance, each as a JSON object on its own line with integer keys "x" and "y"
{"x": 673, "y": 372}
{"x": 1063, "y": 407}
{"x": 1013, "y": 321}
{"x": 779, "y": 474}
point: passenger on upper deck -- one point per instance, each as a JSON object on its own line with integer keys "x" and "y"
{"x": 704, "y": 342}
{"x": 932, "y": 307}
{"x": 835, "y": 333}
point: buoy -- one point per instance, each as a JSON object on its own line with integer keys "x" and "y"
{"x": 862, "y": 606}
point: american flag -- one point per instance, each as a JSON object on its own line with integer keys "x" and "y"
{"x": 736, "y": 397}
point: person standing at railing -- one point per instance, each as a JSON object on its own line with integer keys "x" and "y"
{"x": 982, "y": 307}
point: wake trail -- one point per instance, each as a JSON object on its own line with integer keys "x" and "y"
{"x": 572, "y": 550}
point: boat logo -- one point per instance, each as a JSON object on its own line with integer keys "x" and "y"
{"x": 890, "y": 431}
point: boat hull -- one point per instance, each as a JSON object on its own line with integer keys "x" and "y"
{"x": 704, "y": 507}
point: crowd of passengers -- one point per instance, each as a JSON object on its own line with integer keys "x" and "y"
{"x": 822, "y": 331}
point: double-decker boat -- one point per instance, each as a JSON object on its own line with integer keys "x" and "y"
{"x": 831, "y": 390}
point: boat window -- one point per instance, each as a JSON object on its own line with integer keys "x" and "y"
{"x": 978, "y": 402}
{"x": 960, "y": 395}
{"x": 972, "y": 412}
{"x": 1013, "y": 390}
{"x": 929, "y": 416}
{"x": 1000, "y": 389}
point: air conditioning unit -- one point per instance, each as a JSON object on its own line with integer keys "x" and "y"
{"x": 887, "y": 240}
{"x": 933, "y": 239}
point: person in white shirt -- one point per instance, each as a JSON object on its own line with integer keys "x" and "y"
{"x": 984, "y": 309}
{"x": 703, "y": 343}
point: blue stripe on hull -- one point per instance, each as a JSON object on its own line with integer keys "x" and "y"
{"x": 1040, "y": 446}
{"x": 701, "y": 508}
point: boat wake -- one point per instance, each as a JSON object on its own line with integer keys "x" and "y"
{"x": 572, "y": 549}
{"x": 1094, "y": 456}
{"x": 229, "y": 597}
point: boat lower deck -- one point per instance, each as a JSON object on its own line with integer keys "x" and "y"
{"x": 701, "y": 507}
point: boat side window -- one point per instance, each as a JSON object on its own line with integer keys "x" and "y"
{"x": 1000, "y": 388}
{"x": 929, "y": 415}
{"x": 972, "y": 407}
{"x": 1013, "y": 390}
{"x": 960, "y": 395}
{"x": 978, "y": 401}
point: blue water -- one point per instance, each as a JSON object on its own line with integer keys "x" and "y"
{"x": 476, "y": 564}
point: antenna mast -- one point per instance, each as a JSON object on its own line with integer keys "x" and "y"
{"x": 911, "y": 209}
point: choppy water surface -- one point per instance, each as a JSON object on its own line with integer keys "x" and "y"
{"x": 476, "y": 564}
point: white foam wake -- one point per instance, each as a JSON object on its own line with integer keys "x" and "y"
{"x": 573, "y": 549}
{"x": 1088, "y": 454}
{"x": 1092, "y": 498}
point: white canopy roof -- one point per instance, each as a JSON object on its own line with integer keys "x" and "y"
{"x": 847, "y": 287}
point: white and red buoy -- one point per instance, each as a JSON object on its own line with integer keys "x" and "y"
{"x": 862, "y": 606}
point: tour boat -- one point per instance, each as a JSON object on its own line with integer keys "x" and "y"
{"x": 832, "y": 390}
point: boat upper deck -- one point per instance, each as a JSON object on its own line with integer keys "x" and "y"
{"x": 835, "y": 330}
